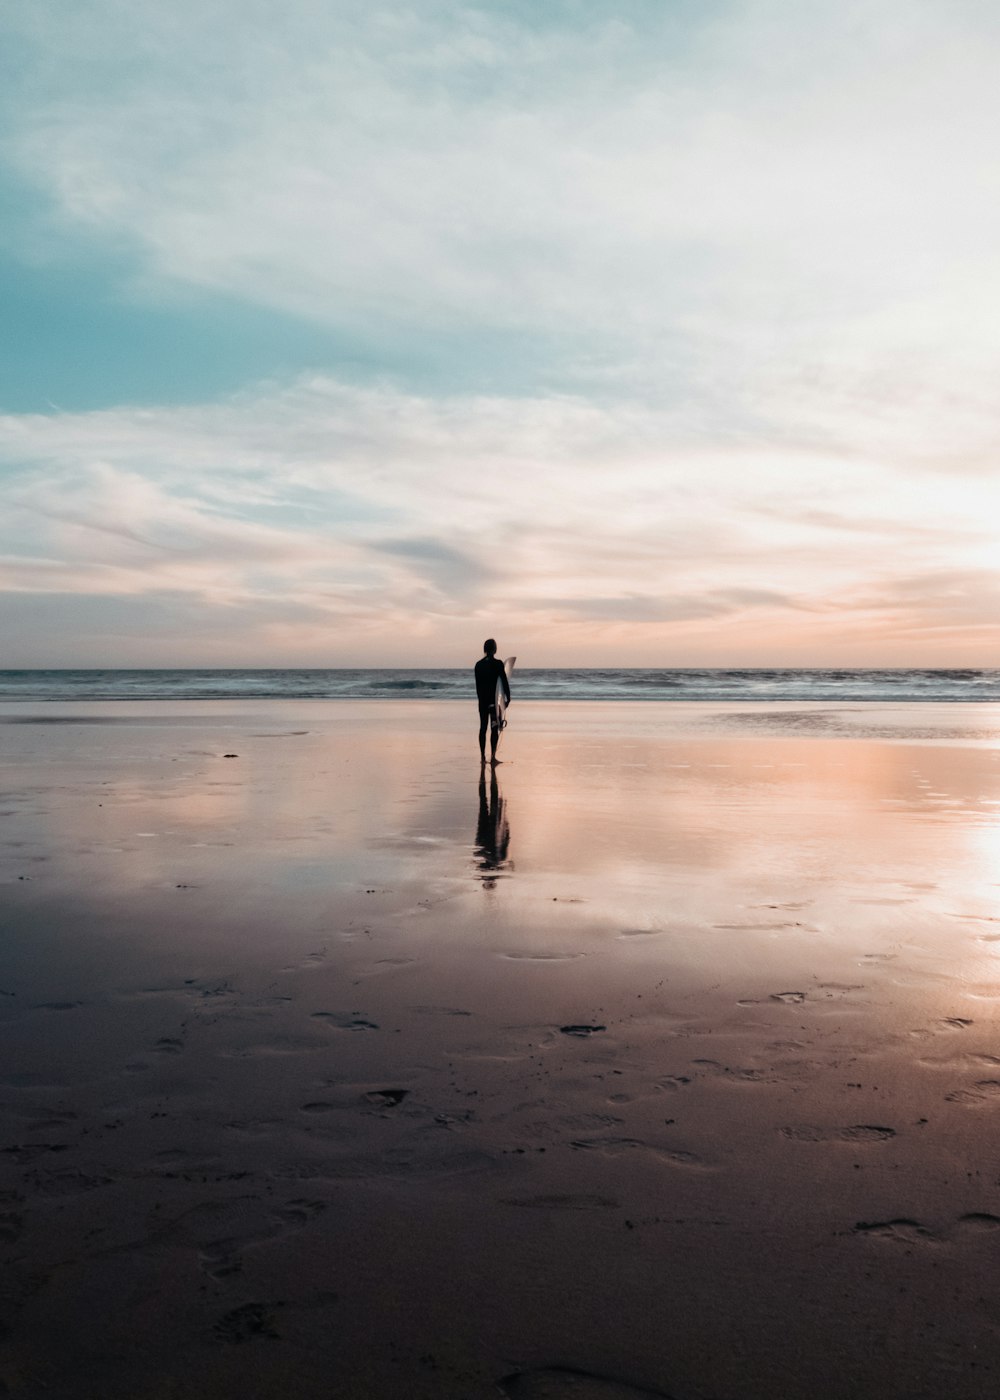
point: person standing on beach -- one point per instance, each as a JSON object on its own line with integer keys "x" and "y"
{"x": 488, "y": 671}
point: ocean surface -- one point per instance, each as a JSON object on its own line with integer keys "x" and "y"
{"x": 740, "y": 685}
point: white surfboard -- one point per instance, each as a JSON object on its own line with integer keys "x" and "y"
{"x": 501, "y": 700}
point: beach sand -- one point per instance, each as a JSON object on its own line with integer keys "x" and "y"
{"x": 667, "y": 1065}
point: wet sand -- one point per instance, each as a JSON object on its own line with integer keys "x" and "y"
{"x": 668, "y": 1063}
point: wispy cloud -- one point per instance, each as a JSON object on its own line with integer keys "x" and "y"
{"x": 427, "y": 520}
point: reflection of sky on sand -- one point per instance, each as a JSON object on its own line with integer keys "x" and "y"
{"x": 596, "y": 800}
{"x": 692, "y": 836}
{"x": 648, "y": 820}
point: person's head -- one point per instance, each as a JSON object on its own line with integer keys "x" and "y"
{"x": 490, "y": 647}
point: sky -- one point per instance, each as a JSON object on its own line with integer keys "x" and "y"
{"x": 655, "y": 333}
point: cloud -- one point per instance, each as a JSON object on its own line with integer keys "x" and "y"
{"x": 929, "y": 603}
{"x": 383, "y": 515}
{"x": 450, "y": 571}
{"x": 781, "y": 217}
{"x": 638, "y": 608}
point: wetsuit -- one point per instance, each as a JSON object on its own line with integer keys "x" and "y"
{"x": 489, "y": 669}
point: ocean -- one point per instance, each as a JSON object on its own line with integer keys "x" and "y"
{"x": 627, "y": 683}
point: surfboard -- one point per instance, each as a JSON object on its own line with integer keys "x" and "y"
{"x": 501, "y": 700}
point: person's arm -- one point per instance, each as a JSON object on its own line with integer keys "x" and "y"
{"x": 506, "y": 682}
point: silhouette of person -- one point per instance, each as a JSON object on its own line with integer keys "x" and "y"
{"x": 492, "y": 831}
{"x": 488, "y": 671}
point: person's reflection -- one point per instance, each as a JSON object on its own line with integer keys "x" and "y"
{"x": 492, "y": 832}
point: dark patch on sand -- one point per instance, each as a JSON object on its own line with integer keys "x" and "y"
{"x": 386, "y": 1098}
{"x": 441, "y": 1011}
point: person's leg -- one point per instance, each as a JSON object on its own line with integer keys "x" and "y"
{"x": 494, "y": 735}
{"x": 484, "y": 717}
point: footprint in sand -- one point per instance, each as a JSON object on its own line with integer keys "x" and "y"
{"x": 959, "y": 1062}
{"x": 557, "y": 1202}
{"x": 737, "y": 1074}
{"x": 540, "y": 957}
{"x": 386, "y": 1098}
{"x": 247, "y": 1323}
{"x": 899, "y": 1231}
{"x": 983, "y": 1091}
{"x": 607, "y": 1146}
{"x": 222, "y": 1257}
{"x": 858, "y": 1132}
{"x": 764, "y": 928}
{"x": 300, "y": 1211}
{"x": 31, "y": 1152}
{"x": 345, "y": 1021}
{"x": 309, "y": 963}
{"x": 679, "y": 1158}
{"x": 559, "y": 1383}
{"x": 615, "y": 1146}
{"x": 947, "y": 1023}
{"x": 979, "y": 1222}
{"x": 789, "y": 998}
{"x": 903, "y": 1230}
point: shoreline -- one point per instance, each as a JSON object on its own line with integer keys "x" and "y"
{"x": 567, "y": 685}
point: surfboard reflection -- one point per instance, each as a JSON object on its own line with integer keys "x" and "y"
{"x": 492, "y": 833}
